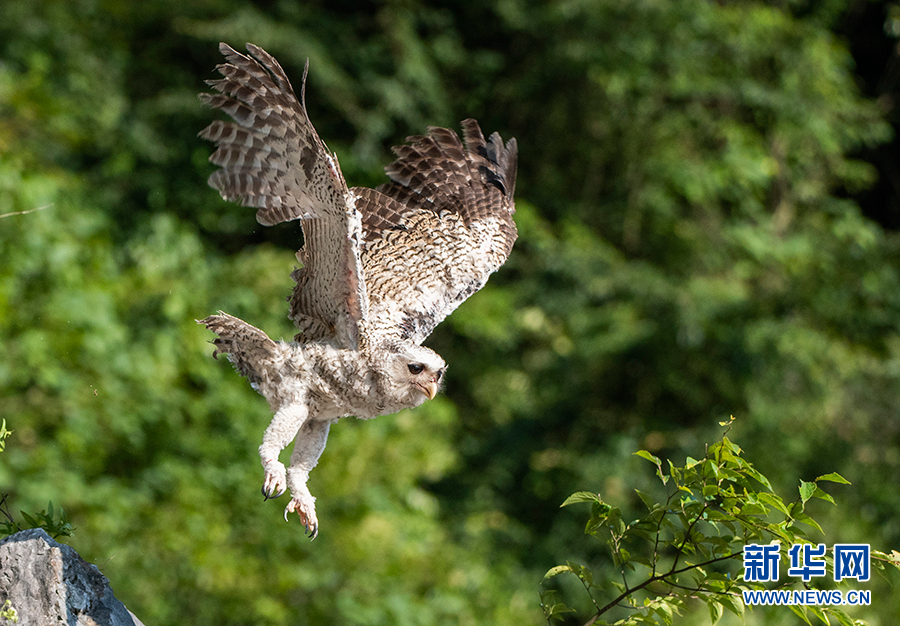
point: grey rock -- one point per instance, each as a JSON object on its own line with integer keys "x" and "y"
{"x": 48, "y": 584}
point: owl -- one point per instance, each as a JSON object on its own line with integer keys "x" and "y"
{"x": 380, "y": 268}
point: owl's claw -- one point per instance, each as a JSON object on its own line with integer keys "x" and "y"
{"x": 275, "y": 482}
{"x": 307, "y": 512}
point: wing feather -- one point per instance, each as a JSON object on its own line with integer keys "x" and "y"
{"x": 272, "y": 159}
{"x": 438, "y": 230}
{"x": 399, "y": 258}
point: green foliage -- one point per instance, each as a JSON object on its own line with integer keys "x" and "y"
{"x": 46, "y": 519}
{"x": 690, "y": 245}
{"x": 8, "y": 613}
{"x": 683, "y": 549}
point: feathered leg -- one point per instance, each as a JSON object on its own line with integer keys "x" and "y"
{"x": 308, "y": 447}
{"x": 285, "y": 425}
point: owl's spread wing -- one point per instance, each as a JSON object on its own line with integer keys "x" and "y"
{"x": 271, "y": 158}
{"x": 401, "y": 257}
{"x": 435, "y": 233}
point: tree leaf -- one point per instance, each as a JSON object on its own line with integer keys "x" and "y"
{"x": 820, "y": 614}
{"x": 735, "y": 604}
{"x": 835, "y": 478}
{"x": 646, "y": 499}
{"x": 818, "y": 493}
{"x": 715, "y": 609}
{"x": 772, "y": 500}
{"x": 842, "y": 618}
{"x": 581, "y": 496}
{"x": 801, "y": 611}
{"x": 758, "y": 477}
{"x": 806, "y": 490}
{"x": 581, "y": 571}
{"x": 646, "y": 455}
{"x": 806, "y": 519}
{"x": 556, "y": 571}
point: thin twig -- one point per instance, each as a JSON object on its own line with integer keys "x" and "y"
{"x": 687, "y": 535}
{"x": 587, "y": 588}
{"x": 700, "y": 589}
{"x": 40, "y": 208}
{"x": 6, "y": 512}
{"x": 656, "y": 578}
{"x": 659, "y": 530}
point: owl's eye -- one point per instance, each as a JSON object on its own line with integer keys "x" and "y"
{"x": 439, "y": 374}
{"x": 416, "y": 368}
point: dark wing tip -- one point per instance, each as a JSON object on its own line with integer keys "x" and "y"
{"x": 502, "y": 159}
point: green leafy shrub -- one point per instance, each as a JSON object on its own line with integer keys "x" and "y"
{"x": 689, "y": 546}
{"x": 46, "y": 519}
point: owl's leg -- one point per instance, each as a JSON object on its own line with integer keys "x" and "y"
{"x": 308, "y": 448}
{"x": 284, "y": 426}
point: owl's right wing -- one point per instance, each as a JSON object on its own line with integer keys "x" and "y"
{"x": 438, "y": 230}
{"x": 272, "y": 159}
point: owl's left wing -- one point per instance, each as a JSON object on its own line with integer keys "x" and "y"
{"x": 271, "y": 158}
{"x": 438, "y": 230}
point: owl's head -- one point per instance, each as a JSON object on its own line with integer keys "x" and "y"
{"x": 416, "y": 373}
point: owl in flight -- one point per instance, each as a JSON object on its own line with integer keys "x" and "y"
{"x": 380, "y": 267}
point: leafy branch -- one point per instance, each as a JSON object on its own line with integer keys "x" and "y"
{"x": 713, "y": 506}
{"x": 46, "y": 519}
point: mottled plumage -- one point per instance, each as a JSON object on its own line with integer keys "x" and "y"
{"x": 380, "y": 267}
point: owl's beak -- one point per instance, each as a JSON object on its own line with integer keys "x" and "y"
{"x": 430, "y": 388}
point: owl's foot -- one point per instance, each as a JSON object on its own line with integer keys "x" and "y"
{"x": 275, "y": 481}
{"x": 305, "y": 507}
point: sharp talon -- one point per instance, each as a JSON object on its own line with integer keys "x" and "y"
{"x": 275, "y": 483}
{"x": 307, "y": 514}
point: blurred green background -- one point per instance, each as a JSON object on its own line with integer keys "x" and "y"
{"x": 708, "y": 213}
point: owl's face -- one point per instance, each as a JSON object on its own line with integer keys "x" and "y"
{"x": 417, "y": 372}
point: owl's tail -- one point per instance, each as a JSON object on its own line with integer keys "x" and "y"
{"x": 247, "y": 347}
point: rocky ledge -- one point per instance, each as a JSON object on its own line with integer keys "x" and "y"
{"x": 47, "y": 583}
